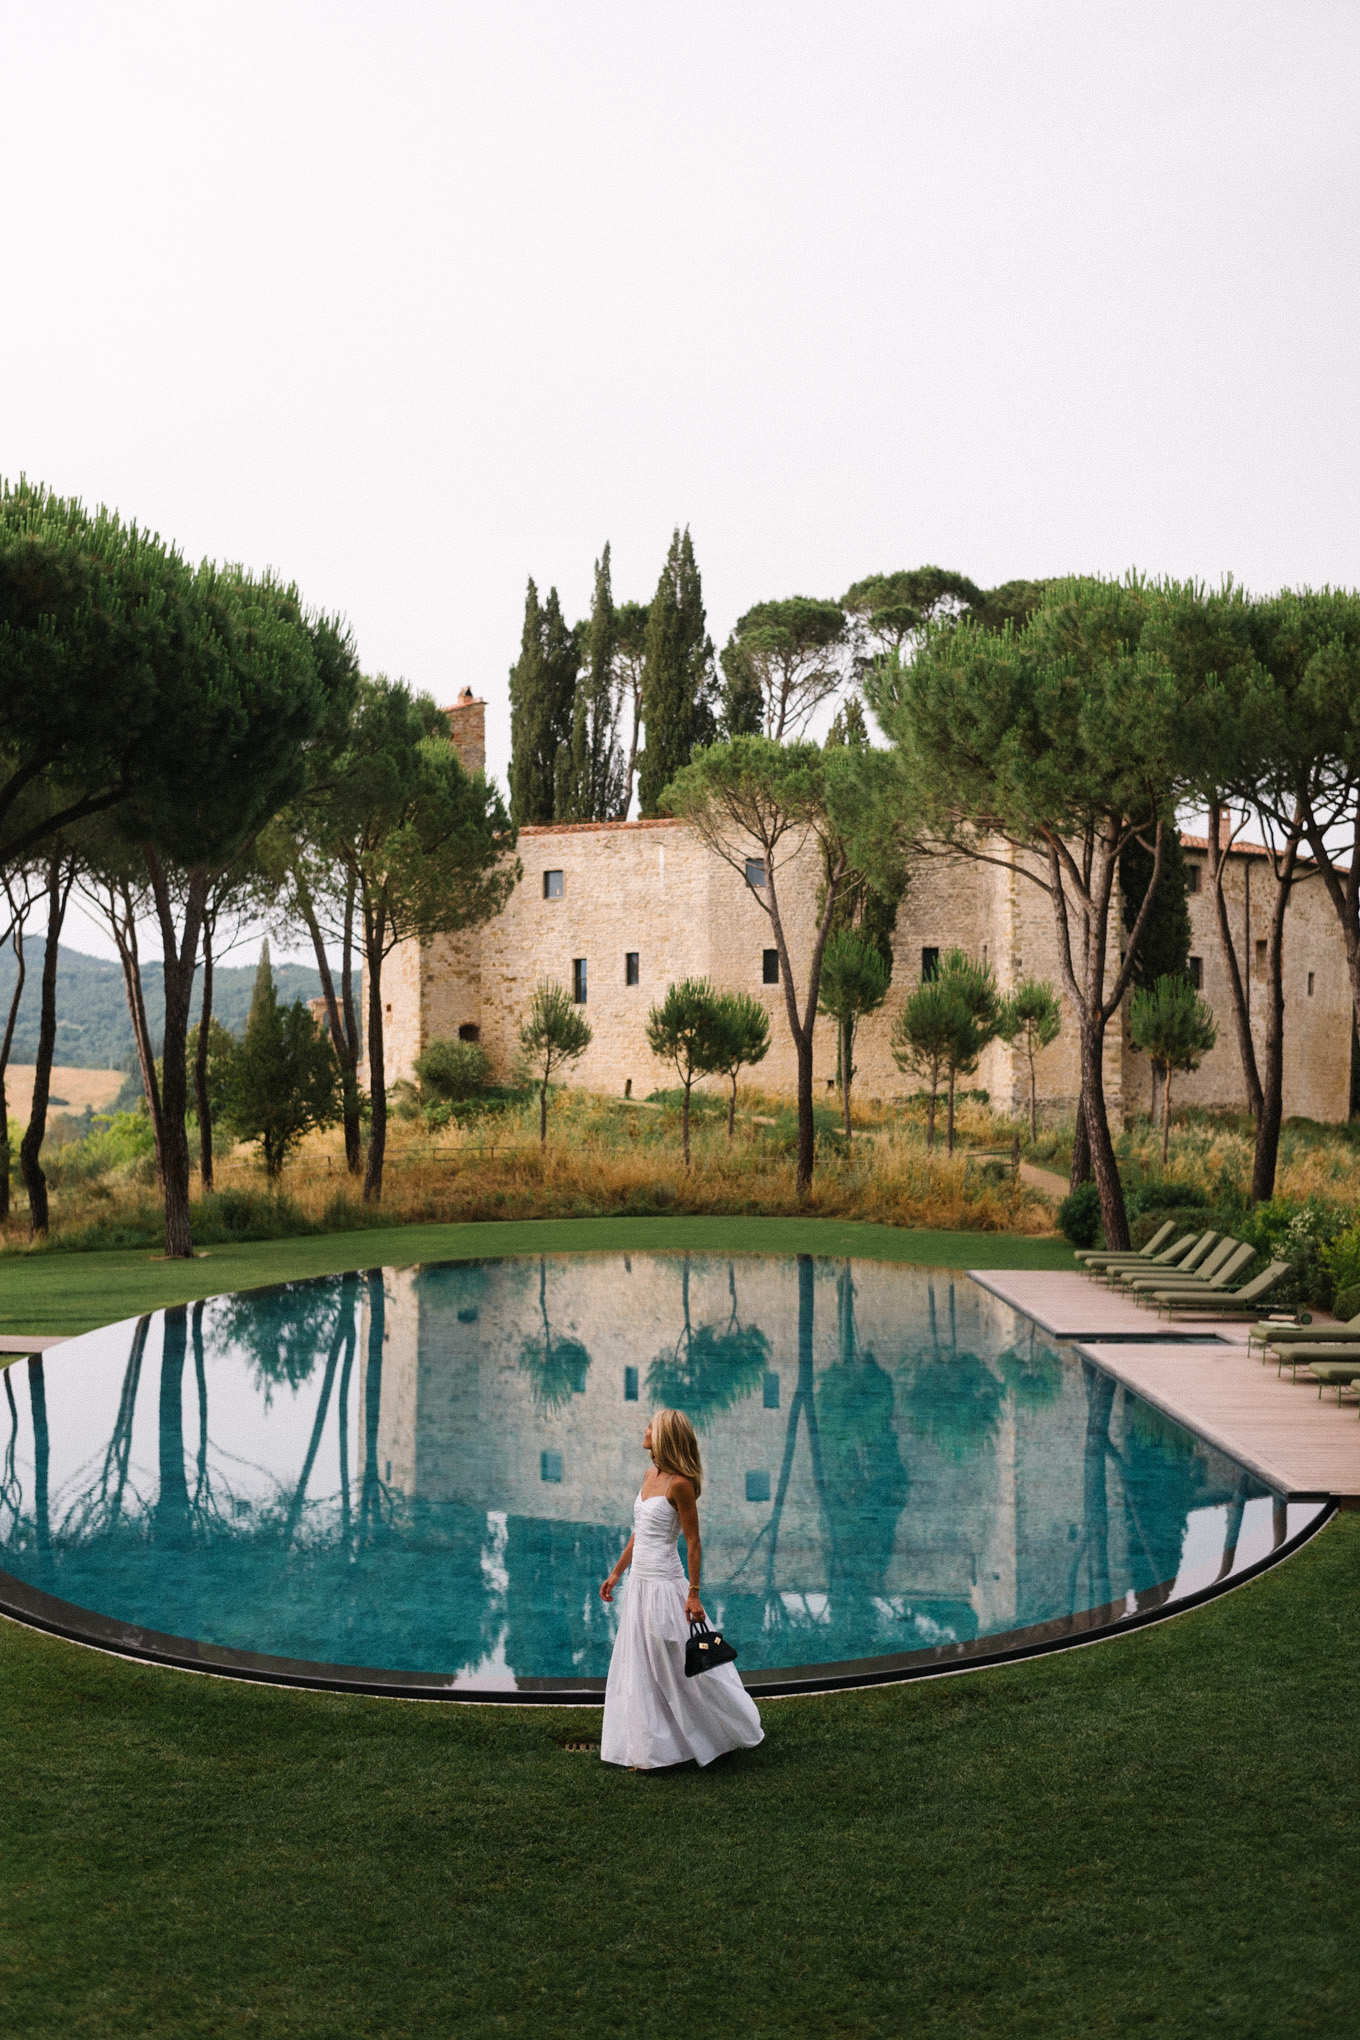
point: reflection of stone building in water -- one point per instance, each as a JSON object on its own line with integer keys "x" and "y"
{"x": 617, "y": 910}
{"x": 863, "y": 1469}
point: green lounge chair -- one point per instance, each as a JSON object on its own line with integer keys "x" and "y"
{"x": 1111, "y": 1264}
{"x": 1223, "y": 1266}
{"x": 1267, "y": 1335}
{"x": 1198, "y": 1269}
{"x": 1337, "y": 1374}
{"x": 1154, "y": 1245}
{"x": 1178, "y": 1260}
{"x": 1294, "y": 1357}
{"x": 1243, "y": 1302}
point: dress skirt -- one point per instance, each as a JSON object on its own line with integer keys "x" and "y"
{"x": 653, "y": 1714}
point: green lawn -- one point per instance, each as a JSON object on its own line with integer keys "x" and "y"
{"x": 60, "y": 1293}
{"x": 1156, "y": 1836}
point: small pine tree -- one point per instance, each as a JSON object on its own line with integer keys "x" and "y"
{"x": 1032, "y": 1016}
{"x": 855, "y": 982}
{"x": 1175, "y": 1027}
{"x": 742, "y": 1039}
{"x": 686, "y": 1029}
{"x": 283, "y": 1080}
{"x": 677, "y": 680}
{"x": 555, "y": 1033}
{"x": 933, "y": 1037}
{"x": 542, "y": 697}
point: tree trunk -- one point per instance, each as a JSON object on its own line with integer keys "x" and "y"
{"x": 17, "y": 939}
{"x": 1081, "y": 1149}
{"x": 339, "y": 1013}
{"x": 180, "y": 958}
{"x": 949, "y": 1120}
{"x": 1272, "y": 1090}
{"x": 732, "y": 1107}
{"x": 802, "y": 1028}
{"x": 1104, "y": 1167}
{"x": 930, "y": 1115}
{"x": 1155, "y": 1115}
{"x": 1033, "y": 1102}
{"x": 543, "y": 1113}
{"x": 684, "y": 1122}
{"x": 374, "y": 932}
{"x": 205, "y": 1129}
{"x": 125, "y": 937}
{"x": 35, "y": 1182}
{"x": 1246, "y": 1047}
{"x": 847, "y": 1070}
{"x": 807, "y": 1137}
{"x": 1166, "y": 1115}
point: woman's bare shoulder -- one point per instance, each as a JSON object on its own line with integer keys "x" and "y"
{"x": 681, "y": 1488}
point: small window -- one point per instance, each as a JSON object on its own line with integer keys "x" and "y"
{"x": 1192, "y": 878}
{"x": 1260, "y": 959}
{"x": 1310, "y": 984}
{"x": 630, "y": 967}
{"x": 578, "y": 979}
{"x": 469, "y": 1031}
{"x": 930, "y": 966}
{"x": 1197, "y": 972}
{"x": 770, "y": 967}
{"x": 757, "y": 1487}
{"x": 755, "y": 871}
{"x": 552, "y": 885}
{"x": 550, "y": 1466}
{"x": 630, "y": 1384}
{"x": 772, "y": 1391}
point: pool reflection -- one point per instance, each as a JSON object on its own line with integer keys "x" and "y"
{"x": 431, "y": 1469}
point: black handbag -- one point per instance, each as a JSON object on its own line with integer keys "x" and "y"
{"x": 705, "y": 1649}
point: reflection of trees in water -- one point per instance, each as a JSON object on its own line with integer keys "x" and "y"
{"x": 11, "y": 1488}
{"x": 710, "y": 1369}
{"x": 865, "y": 1484}
{"x": 284, "y": 1330}
{"x": 952, "y": 1399}
{"x": 556, "y": 1366}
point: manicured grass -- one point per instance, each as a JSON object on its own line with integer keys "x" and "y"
{"x": 61, "y": 1294}
{"x": 1158, "y": 1836}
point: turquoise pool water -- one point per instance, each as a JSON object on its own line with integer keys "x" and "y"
{"x": 427, "y": 1471}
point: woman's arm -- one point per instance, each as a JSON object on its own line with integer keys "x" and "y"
{"x": 687, "y": 1509}
{"x": 625, "y": 1560}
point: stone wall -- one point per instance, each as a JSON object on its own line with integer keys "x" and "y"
{"x": 652, "y": 887}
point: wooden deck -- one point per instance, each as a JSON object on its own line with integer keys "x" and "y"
{"x": 1302, "y": 1447}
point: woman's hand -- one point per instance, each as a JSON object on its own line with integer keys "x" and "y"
{"x": 694, "y": 1607}
{"x": 607, "y": 1587}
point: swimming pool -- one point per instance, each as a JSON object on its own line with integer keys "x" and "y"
{"x": 414, "y": 1479}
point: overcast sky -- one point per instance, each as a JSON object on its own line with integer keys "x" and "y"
{"x": 412, "y": 301}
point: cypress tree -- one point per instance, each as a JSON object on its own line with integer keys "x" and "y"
{"x": 542, "y": 690}
{"x": 677, "y": 679}
{"x": 589, "y": 767}
{"x": 1165, "y": 948}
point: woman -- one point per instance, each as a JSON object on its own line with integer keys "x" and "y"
{"x": 653, "y": 1714}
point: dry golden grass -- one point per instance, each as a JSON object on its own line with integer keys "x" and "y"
{"x": 604, "y": 1157}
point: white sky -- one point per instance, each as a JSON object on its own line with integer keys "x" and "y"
{"x": 412, "y": 301}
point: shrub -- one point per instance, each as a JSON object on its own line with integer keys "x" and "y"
{"x": 1166, "y": 1197}
{"x": 1346, "y": 1303}
{"x": 450, "y": 1071}
{"x": 1079, "y": 1215}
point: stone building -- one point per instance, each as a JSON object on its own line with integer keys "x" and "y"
{"x": 618, "y": 910}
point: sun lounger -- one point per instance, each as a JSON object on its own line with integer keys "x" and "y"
{"x": 1294, "y": 1357}
{"x": 1185, "y": 1263}
{"x": 1244, "y": 1302}
{"x": 1111, "y": 1264}
{"x": 1224, "y": 1266}
{"x": 1337, "y": 1374}
{"x": 1267, "y": 1335}
{"x": 1087, "y": 1255}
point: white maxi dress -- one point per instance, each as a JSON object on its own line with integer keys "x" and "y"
{"x": 653, "y": 1714}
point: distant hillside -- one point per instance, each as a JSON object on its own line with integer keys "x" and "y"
{"x": 93, "y": 1029}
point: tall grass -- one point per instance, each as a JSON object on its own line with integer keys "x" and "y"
{"x": 603, "y": 1157}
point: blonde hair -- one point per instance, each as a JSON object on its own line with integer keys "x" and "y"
{"x": 675, "y": 1447}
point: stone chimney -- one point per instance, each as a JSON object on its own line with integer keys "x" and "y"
{"x": 467, "y": 727}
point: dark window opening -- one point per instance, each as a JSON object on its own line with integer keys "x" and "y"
{"x": 1261, "y": 948}
{"x": 1310, "y": 984}
{"x": 550, "y": 1466}
{"x": 930, "y": 966}
{"x": 578, "y": 979}
{"x": 1192, "y": 878}
{"x": 1197, "y": 972}
{"x": 757, "y": 1487}
{"x": 630, "y": 967}
{"x": 772, "y": 1391}
{"x": 630, "y": 1384}
{"x": 771, "y": 967}
{"x": 552, "y": 885}
{"x": 469, "y": 1031}
{"x": 755, "y": 871}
